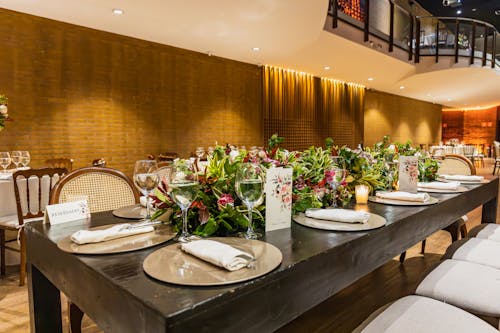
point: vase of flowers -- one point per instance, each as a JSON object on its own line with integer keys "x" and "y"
{"x": 3, "y": 111}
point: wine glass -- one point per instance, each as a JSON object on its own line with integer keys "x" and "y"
{"x": 146, "y": 178}
{"x": 25, "y": 158}
{"x": 335, "y": 174}
{"x": 5, "y": 160}
{"x": 15, "y": 156}
{"x": 200, "y": 152}
{"x": 183, "y": 188}
{"x": 249, "y": 184}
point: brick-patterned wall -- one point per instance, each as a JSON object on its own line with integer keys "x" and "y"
{"x": 85, "y": 94}
{"x": 476, "y": 127}
{"x": 402, "y": 118}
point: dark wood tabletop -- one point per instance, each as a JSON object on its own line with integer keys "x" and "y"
{"x": 115, "y": 292}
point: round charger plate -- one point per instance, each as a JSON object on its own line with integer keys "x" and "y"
{"x": 133, "y": 212}
{"x": 459, "y": 189}
{"x": 171, "y": 264}
{"x": 161, "y": 234}
{"x": 431, "y": 201}
{"x": 375, "y": 221}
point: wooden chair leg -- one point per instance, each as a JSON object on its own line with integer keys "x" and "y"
{"x": 22, "y": 266}
{"x": 453, "y": 229}
{"x": 422, "y": 250}
{"x": 402, "y": 257}
{"x": 463, "y": 230}
{"x": 2, "y": 250}
{"x": 75, "y": 317}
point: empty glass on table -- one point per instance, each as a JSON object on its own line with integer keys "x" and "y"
{"x": 15, "y": 156}
{"x": 249, "y": 185}
{"x": 5, "y": 160}
{"x": 146, "y": 178}
{"x": 25, "y": 158}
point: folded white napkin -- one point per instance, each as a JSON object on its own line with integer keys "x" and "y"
{"x": 404, "y": 196}
{"x": 117, "y": 231}
{"x": 219, "y": 254}
{"x": 5, "y": 176}
{"x": 453, "y": 185}
{"x": 463, "y": 178}
{"x": 338, "y": 215}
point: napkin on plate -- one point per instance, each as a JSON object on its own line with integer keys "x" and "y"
{"x": 463, "y": 178}
{"x": 453, "y": 185}
{"x": 404, "y": 196}
{"x": 117, "y": 231}
{"x": 338, "y": 215}
{"x": 219, "y": 254}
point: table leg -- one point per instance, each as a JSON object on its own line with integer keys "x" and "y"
{"x": 490, "y": 211}
{"x": 45, "y": 303}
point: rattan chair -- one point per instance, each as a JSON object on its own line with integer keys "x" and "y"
{"x": 31, "y": 189}
{"x": 105, "y": 189}
{"x": 496, "y": 152}
{"x": 65, "y": 163}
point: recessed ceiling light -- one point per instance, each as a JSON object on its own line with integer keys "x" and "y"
{"x": 401, "y": 87}
{"x": 118, "y": 11}
{"x": 459, "y": 12}
{"x": 370, "y": 79}
{"x": 326, "y": 68}
{"x": 256, "y": 49}
{"x": 474, "y": 9}
{"x": 429, "y": 95}
{"x": 449, "y": 99}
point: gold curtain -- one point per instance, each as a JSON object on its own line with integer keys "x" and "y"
{"x": 305, "y": 110}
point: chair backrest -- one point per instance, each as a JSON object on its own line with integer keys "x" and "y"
{"x": 104, "y": 188}
{"x": 66, "y": 163}
{"x": 32, "y": 190}
{"x": 167, "y": 156}
{"x": 469, "y": 150}
{"x": 164, "y": 171}
{"x": 496, "y": 146}
{"x": 456, "y": 165}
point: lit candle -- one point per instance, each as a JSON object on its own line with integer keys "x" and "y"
{"x": 362, "y": 192}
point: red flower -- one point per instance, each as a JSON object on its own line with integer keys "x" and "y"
{"x": 224, "y": 200}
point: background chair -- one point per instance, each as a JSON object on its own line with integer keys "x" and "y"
{"x": 65, "y": 163}
{"x": 31, "y": 189}
{"x": 105, "y": 189}
{"x": 496, "y": 155}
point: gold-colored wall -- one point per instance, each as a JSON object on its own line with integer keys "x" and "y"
{"x": 85, "y": 94}
{"x": 402, "y": 118}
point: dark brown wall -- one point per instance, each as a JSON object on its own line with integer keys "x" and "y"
{"x": 86, "y": 94}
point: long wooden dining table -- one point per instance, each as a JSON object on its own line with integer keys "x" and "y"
{"x": 114, "y": 291}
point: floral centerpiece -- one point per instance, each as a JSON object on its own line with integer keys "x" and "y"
{"x": 218, "y": 210}
{"x": 3, "y": 111}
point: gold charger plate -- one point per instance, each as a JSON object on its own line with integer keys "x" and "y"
{"x": 134, "y": 212}
{"x": 431, "y": 201}
{"x": 171, "y": 264}
{"x": 459, "y": 189}
{"x": 375, "y": 221}
{"x": 160, "y": 235}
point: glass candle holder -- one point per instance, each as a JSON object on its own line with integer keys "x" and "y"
{"x": 361, "y": 192}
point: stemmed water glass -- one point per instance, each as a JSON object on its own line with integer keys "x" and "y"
{"x": 15, "y": 156}
{"x": 200, "y": 152}
{"x": 25, "y": 158}
{"x": 146, "y": 178}
{"x": 335, "y": 174}
{"x": 183, "y": 188}
{"x": 249, "y": 185}
{"x": 5, "y": 160}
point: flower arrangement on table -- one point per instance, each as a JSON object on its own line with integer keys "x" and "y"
{"x": 217, "y": 209}
{"x": 3, "y": 111}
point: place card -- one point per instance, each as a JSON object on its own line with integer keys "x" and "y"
{"x": 408, "y": 174}
{"x": 67, "y": 212}
{"x": 278, "y": 198}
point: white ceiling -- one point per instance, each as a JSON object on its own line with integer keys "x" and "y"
{"x": 289, "y": 34}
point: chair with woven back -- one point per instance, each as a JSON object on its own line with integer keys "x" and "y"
{"x": 63, "y": 162}
{"x": 105, "y": 189}
{"x": 32, "y": 190}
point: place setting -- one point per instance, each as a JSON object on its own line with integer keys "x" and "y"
{"x": 463, "y": 179}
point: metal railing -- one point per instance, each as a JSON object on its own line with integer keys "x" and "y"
{"x": 420, "y": 36}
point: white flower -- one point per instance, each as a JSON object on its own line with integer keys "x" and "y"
{"x": 3, "y": 110}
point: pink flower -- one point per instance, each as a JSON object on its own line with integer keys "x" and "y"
{"x": 224, "y": 200}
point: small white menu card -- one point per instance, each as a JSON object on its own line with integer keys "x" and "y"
{"x": 278, "y": 198}
{"x": 408, "y": 174}
{"x": 66, "y": 212}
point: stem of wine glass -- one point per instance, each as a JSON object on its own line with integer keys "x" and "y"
{"x": 148, "y": 207}
{"x": 334, "y": 201}
{"x": 250, "y": 232}
{"x": 184, "y": 233}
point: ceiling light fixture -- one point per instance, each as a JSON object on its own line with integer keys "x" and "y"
{"x": 117, "y": 11}
{"x": 370, "y": 79}
{"x": 459, "y": 12}
{"x": 449, "y": 99}
{"x": 401, "y": 87}
{"x": 474, "y": 9}
{"x": 256, "y": 49}
{"x": 326, "y": 68}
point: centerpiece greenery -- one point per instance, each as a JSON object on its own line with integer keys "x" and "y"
{"x": 3, "y": 111}
{"x": 218, "y": 210}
